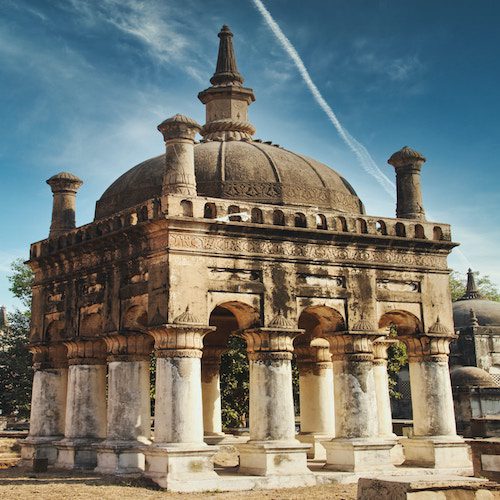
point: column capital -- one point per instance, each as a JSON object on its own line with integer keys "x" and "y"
{"x": 313, "y": 358}
{"x": 86, "y": 351}
{"x": 270, "y": 343}
{"x": 429, "y": 347}
{"x": 46, "y": 357}
{"x": 210, "y": 361}
{"x": 352, "y": 345}
{"x": 130, "y": 347}
{"x": 179, "y": 340}
{"x": 380, "y": 347}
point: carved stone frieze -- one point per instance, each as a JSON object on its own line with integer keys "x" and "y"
{"x": 330, "y": 253}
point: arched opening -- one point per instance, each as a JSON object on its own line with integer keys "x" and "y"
{"x": 342, "y": 224}
{"x": 225, "y": 370}
{"x": 234, "y": 209}
{"x": 90, "y": 325}
{"x": 278, "y": 218}
{"x": 55, "y": 331}
{"x": 300, "y": 220}
{"x": 361, "y": 226}
{"x": 400, "y": 229}
{"x": 437, "y": 233}
{"x": 210, "y": 211}
{"x": 381, "y": 228}
{"x": 256, "y": 215}
{"x": 419, "y": 231}
{"x": 315, "y": 399}
{"x": 321, "y": 222}
{"x": 399, "y": 323}
{"x": 187, "y": 208}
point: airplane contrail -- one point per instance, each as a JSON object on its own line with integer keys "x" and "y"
{"x": 355, "y": 146}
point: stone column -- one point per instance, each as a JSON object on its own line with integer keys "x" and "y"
{"x": 381, "y": 377}
{"x": 317, "y": 417}
{"x": 129, "y": 411}
{"x": 85, "y": 423}
{"x": 408, "y": 164}
{"x": 179, "y": 458}
{"x": 435, "y": 442}
{"x": 48, "y": 404}
{"x": 272, "y": 448}
{"x": 64, "y": 187}
{"x": 357, "y": 446}
{"x": 210, "y": 388}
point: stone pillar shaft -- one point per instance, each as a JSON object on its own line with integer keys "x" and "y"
{"x": 179, "y": 452}
{"x": 48, "y": 404}
{"x": 86, "y": 404}
{"x": 210, "y": 381}
{"x": 382, "y": 387}
{"x": 272, "y": 416}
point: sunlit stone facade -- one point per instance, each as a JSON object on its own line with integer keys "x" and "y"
{"x": 235, "y": 236}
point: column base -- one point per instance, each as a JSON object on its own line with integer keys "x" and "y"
{"x": 123, "y": 458}
{"x": 446, "y": 452}
{"x": 273, "y": 458}
{"x": 77, "y": 454}
{"x": 359, "y": 455}
{"x": 317, "y": 450}
{"x": 35, "y": 448}
{"x": 181, "y": 467}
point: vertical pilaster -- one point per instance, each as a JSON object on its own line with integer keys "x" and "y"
{"x": 129, "y": 413}
{"x": 272, "y": 449}
{"x": 85, "y": 423}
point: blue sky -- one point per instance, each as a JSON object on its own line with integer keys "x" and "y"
{"x": 83, "y": 85}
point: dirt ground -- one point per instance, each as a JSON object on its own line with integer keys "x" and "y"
{"x": 17, "y": 484}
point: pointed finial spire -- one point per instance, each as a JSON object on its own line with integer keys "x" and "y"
{"x": 471, "y": 292}
{"x": 226, "y": 71}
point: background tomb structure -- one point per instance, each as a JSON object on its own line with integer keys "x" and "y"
{"x": 235, "y": 236}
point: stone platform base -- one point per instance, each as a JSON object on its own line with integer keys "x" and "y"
{"x": 422, "y": 488}
{"x": 183, "y": 469}
{"x": 445, "y": 454}
{"x": 269, "y": 458}
{"x": 121, "y": 458}
{"x": 34, "y": 448}
{"x": 359, "y": 455}
{"x": 317, "y": 451}
{"x": 223, "y": 439}
{"x": 76, "y": 454}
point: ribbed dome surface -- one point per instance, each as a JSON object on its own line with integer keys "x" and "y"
{"x": 487, "y": 312}
{"x": 240, "y": 170}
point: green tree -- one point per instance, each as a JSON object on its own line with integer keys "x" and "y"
{"x": 486, "y": 287}
{"x": 15, "y": 358}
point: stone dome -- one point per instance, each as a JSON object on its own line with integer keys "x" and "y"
{"x": 471, "y": 376}
{"x": 251, "y": 171}
{"x": 487, "y": 312}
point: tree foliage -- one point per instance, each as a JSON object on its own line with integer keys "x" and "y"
{"x": 486, "y": 287}
{"x": 15, "y": 358}
{"x": 21, "y": 280}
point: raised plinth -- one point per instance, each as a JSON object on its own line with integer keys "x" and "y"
{"x": 181, "y": 468}
{"x": 76, "y": 454}
{"x": 123, "y": 458}
{"x": 447, "y": 453}
{"x": 268, "y": 458}
{"x": 316, "y": 451}
{"x": 33, "y": 448}
{"x": 359, "y": 455}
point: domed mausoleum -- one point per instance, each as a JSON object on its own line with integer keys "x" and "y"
{"x": 235, "y": 236}
{"x": 477, "y": 321}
